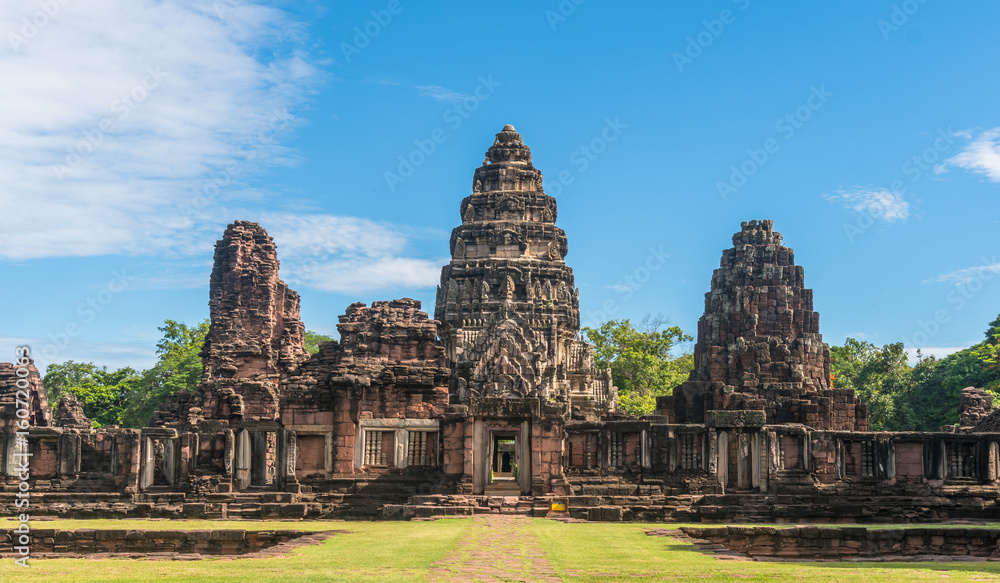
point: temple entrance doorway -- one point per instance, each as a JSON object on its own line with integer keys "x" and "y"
{"x": 504, "y": 457}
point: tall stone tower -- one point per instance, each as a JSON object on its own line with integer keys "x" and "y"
{"x": 759, "y": 346}
{"x": 509, "y": 311}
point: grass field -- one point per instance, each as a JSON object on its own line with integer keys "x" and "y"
{"x": 406, "y": 551}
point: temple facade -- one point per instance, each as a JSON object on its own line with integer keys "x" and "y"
{"x": 495, "y": 404}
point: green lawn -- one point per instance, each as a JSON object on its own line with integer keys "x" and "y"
{"x": 404, "y": 551}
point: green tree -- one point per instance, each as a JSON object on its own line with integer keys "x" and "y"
{"x": 314, "y": 339}
{"x": 101, "y": 392}
{"x": 641, "y": 361}
{"x": 177, "y": 369}
{"x": 881, "y": 377}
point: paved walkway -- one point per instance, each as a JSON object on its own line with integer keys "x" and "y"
{"x": 499, "y": 548}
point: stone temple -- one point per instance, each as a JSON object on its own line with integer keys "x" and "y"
{"x": 495, "y": 406}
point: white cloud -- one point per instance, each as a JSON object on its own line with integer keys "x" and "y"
{"x": 347, "y": 254}
{"x": 878, "y": 203}
{"x": 435, "y": 92}
{"x": 969, "y": 274}
{"x": 982, "y": 156}
{"x": 116, "y": 114}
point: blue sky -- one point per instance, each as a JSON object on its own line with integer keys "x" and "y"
{"x": 132, "y": 134}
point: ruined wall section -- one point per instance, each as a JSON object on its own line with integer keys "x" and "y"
{"x": 759, "y": 346}
{"x": 70, "y": 413}
{"x": 387, "y": 366}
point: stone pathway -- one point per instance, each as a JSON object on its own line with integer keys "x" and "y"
{"x": 498, "y": 549}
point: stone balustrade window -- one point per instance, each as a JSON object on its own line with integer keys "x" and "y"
{"x": 422, "y": 448}
{"x": 689, "y": 453}
{"x": 617, "y": 449}
{"x": 867, "y": 458}
{"x": 376, "y": 452}
{"x": 961, "y": 460}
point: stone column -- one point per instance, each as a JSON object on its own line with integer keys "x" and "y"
{"x": 743, "y": 463}
{"x": 242, "y": 459}
{"x": 69, "y": 455}
{"x": 147, "y": 464}
{"x": 722, "y": 471}
{"x": 480, "y": 465}
{"x": 524, "y": 469}
{"x": 170, "y": 461}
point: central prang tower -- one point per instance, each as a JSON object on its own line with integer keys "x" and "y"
{"x": 509, "y": 311}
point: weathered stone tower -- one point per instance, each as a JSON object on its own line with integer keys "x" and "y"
{"x": 510, "y": 319}
{"x": 509, "y": 311}
{"x": 759, "y": 346}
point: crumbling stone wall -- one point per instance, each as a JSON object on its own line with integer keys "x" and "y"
{"x": 759, "y": 346}
{"x": 974, "y": 411}
{"x": 70, "y": 413}
{"x": 388, "y": 366}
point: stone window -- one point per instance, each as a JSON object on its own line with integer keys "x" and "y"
{"x": 379, "y": 446}
{"x": 421, "y": 448}
{"x": 690, "y": 456}
{"x": 961, "y": 460}
{"x": 867, "y": 458}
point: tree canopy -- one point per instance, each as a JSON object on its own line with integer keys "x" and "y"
{"x": 641, "y": 360}
{"x": 919, "y": 398}
{"x": 314, "y": 339}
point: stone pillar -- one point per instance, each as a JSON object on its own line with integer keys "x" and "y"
{"x": 147, "y": 464}
{"x": 241, "y": 466}
{"x": 743, "y": 464}
{"x": 480, "y": 465}
{"x": 229, "y": 453}
{"x": 646, "y": 450}
{"x": 8, "y": 461}
{"x": 722, "y": 471}
{"x": 69, "y": 455}
{"x": 524, "y": 457}
{"x": 711, "y": 458}
{"x": 755, "y": 443}
{"x": 170, "y": 461}
{"x": 402, "y": 445}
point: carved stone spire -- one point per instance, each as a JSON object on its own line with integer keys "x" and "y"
{"x": 508, "y": 249}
